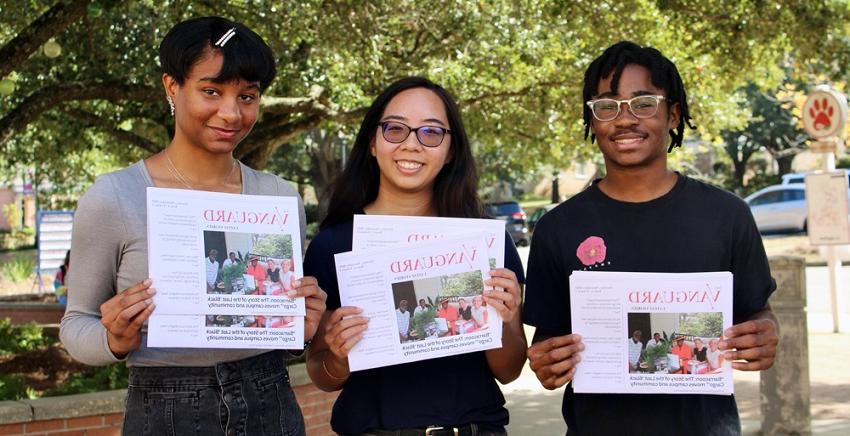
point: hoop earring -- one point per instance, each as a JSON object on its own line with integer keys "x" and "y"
{"x": 170, "y": 104}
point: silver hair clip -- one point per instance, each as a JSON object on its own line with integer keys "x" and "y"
{"x": 226, "y": 37}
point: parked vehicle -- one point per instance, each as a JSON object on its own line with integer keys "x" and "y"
{"x": 536, "y": 215}
{"x": 514, "y": 217}
{"x": 779, "y": 207}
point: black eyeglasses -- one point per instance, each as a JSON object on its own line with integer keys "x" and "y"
{"x": 429, "y": 136}
{"x": 642, "y": 106}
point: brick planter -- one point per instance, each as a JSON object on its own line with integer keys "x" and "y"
{"x": 41, "y": 313}
{"x": 101, "y": 413}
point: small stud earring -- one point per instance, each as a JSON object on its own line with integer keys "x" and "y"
{"x": 170, "y": 104}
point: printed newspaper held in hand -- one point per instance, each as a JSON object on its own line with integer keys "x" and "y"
{"x": 424, "y": 299}
{"x": 223, "y": 267}
{"x": 651, "y": 332}
{"x": 381, "y": 231}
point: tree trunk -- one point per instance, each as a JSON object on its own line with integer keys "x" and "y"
{"x": 784, "y": 163}
{"x": 259, "y": 157}
{"x": 556, "y": 195}
{"x": 325, "y": 165}
{"x": 738, "y": 169}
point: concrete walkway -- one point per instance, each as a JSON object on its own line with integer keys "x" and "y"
{"x": 536, "y": 411}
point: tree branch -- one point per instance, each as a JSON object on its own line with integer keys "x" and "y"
{"x": 473, "y": 101}
{"x": 51, "y": 96}
{"x": 54, "y": 21}
{"x": 277, "y": 134}
{"x": 109, "y": 127}
{"x": 313, "y": 103}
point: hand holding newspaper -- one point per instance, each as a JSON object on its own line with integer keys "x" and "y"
{"x": 651, "y": 332}
{"x": 423, "y": 300}
{"x": 223, "y": 267}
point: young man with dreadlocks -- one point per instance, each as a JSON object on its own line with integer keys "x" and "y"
{"x": 644, "y": 217}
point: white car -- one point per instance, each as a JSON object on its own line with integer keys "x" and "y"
{"x": 779, "y": 207}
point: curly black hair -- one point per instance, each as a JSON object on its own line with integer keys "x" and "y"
{"x": 664, "y": 76}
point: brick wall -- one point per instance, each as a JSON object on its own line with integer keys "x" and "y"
{"x": 316, "y": 407}
{"x": 100, "y": 414}
{"x": 41, "y": 313}
{"x": 96, "y": 425}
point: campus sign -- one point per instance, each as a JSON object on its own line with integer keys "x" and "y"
{"x": 824, "y": 113}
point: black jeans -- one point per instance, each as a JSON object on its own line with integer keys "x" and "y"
{"x": 466, "y": 430}
{"x": 247, "y": 397}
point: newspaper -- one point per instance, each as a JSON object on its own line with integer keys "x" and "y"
{"x": 226, "y": 331}
{"x": 190, "y": 237}
{"x": 223, "y": 267}
{"x": 651, "y": 332}
{"x": 423, "y": 300}
{"x": 382, "y": 231}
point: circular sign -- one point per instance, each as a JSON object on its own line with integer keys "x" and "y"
{"x": 824, "y": 113}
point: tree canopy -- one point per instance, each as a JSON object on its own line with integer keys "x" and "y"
{"x": 515, "y": 66}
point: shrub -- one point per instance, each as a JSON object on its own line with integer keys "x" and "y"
{"x": 13, "y": 387}
{"x": 19, "y": 269}
{"x": 115, "y": 376}
{"x": 21, "y": 338}
{"x": 14, "y": 215}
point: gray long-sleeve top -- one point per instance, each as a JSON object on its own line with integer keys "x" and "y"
{"x": 109, "y": 254}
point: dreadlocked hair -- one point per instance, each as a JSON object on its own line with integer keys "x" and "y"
{"x": 663, "y": 73}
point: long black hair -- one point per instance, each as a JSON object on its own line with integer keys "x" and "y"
{"x": 664, "y": 76}
{"x": 455, "y": 188}
{"x": 246, "y": 55}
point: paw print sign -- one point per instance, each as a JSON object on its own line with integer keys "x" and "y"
{"x": 824, "y": 113}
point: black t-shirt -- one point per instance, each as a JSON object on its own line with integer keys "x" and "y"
{"x": 700, "y": 354}
{"x": 693, "y": 228}
{"x": 453, "y": 390}
{"x": 274, "y": 276}
{"x": 465, "y": 314}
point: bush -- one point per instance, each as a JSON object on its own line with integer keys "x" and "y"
{"x": 19, "y": 269}
{"x": 14, "y": 215}
{"x": 13, "y": 387}
{"x": 115, "y": 376}
{"x": 21, "y": 338}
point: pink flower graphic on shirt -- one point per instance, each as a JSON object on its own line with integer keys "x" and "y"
{"x": 591, "y": 251}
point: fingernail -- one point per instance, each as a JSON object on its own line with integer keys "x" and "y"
{"x": 722, "y": 345}
{"x": 151, "y": 291}
{"x": 296, "y": 283}
{"x": 727, "y": 356}
{"x": 149, "y": 301}
{"x": 291, "y": 294}
{"x": 147, "y": 282}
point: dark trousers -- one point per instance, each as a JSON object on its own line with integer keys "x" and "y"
{"x": 247, "y": 397}
{"x": 465, "y": 430}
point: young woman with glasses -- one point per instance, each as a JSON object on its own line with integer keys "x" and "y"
{"x": 411, "y": 157}
{"x": 214, "y": 72}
